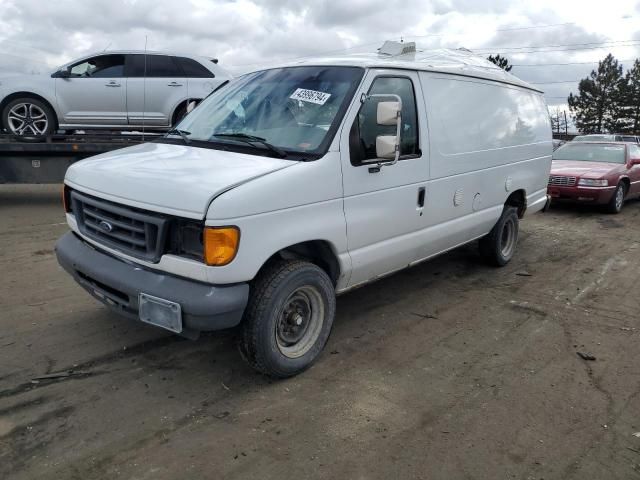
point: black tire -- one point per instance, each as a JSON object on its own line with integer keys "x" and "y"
{"x": 499, "y": 245}
{"x": 276, "y": 303}
{"x": 33, "y": 127}
{"x": 617, "y": 201}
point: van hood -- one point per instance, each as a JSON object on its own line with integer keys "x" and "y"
{"x": 174, "y": 179}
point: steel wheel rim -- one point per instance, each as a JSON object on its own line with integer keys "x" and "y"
{"x": 508, "y": 238}
{"x": 300, "y": 322}
{"x": 619, "y": 198}
{"x": 25, "y": 118}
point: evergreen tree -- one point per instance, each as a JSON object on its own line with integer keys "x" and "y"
{"x": 629, "y": 108}
{"x": 596, "y": 108}
{"x": 502, "y": 62}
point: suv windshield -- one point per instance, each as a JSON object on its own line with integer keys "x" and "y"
{"x": 295, "y": 109}
{"x": 586, "y": 152}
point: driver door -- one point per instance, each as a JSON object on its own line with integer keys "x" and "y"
{"x": 95, "y": 93}
{"x": 383, "y": 206}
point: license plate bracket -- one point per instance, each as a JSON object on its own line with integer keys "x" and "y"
{"x": 160, "y": 312}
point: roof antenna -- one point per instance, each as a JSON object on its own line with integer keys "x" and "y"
{"x": 144, "y": 86}
{"x": 107, "y": 47}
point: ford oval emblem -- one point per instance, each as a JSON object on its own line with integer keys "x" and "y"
{"x": 105, "y": 226}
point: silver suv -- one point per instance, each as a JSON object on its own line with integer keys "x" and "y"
{"x": 115, "y": 90}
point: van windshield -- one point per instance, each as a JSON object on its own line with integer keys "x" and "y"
{"x": 297, "y": 110}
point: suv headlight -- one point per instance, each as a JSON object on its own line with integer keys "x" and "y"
{"x": 593, "y": 182}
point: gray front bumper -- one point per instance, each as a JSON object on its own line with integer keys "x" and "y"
{"x": 117, "y": 284}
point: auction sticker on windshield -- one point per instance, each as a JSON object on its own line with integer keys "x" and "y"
{"x": 312, "y": 96}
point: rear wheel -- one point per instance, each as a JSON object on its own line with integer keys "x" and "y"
{"x": 617, "y": 201}
{"x": 499, "y": 245}
{"x": 28, "y": 117}
{"x": 288, "y": 319}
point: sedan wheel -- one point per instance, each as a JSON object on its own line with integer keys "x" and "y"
{"x": 617, "y": 201}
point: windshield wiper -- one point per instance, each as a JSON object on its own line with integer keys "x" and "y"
{"x": 243, "y": 137}
{"x": 183, "y": 133}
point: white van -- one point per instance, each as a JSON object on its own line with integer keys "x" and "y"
{"x": 295, "y": 183}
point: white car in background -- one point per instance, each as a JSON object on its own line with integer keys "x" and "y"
{"x": 114, "y": 90}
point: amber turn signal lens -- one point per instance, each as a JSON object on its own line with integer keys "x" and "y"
{"x": 220, "y": 245}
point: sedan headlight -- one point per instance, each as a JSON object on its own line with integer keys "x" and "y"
{"x": 593, "y": 182}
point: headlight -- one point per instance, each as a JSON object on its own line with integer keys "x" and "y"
{"x": 593, "y": 182}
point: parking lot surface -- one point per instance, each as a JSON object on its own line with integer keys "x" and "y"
{"x": 451, "y": 369}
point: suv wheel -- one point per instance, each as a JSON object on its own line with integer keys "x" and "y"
{"x": 288, "y": 319}
{"x": 28, "y": 116}
{"x": 499, "y": 245}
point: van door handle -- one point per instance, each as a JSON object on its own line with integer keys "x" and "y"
{"x": 112, "y": 83}
{"x": 421, "y": 194}
{"x": 174, "y": 84}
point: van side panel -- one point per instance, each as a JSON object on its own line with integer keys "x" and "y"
{"x": 477, "y": 124}
{"x": 487, "y": 140}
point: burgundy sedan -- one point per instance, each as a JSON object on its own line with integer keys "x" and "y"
{"x": 600, "y": 173}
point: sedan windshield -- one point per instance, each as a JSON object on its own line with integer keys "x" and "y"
{"x": 294, "y": 110}
{"x": 594, "y": 138}
{"x": 599, "y": 152}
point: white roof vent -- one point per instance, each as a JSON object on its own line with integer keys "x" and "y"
{"x": 392, "y": 48}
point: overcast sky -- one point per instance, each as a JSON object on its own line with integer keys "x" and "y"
{"x": 38, "y": 35}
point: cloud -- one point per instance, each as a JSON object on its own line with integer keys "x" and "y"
{"x": 38, "y": 36}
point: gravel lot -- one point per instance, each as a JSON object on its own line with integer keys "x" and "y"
{"x": 449, "y": 370}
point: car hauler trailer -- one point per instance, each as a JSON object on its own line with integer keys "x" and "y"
{"x": 46, "y": 159}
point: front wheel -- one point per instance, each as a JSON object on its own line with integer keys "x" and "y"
{"x": 28, "y": 117}
{"x": 288, "y": 319}
{"x": 617, "y": 201}
{"x": 499, "y": 245}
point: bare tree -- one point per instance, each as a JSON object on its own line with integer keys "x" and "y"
{"x": 559, "y": 122}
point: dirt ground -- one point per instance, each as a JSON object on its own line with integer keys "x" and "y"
{"x": 449, "y": 370}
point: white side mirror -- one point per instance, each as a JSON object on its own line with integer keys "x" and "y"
{"x": 387, "y": 146}
{"x": 388, "y": 113}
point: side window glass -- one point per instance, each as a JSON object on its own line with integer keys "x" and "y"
{"x": 162, "y": 66}
{"x": 365, "y": 129}
{"x": 193, "y": 69}
{"x": 104, "y": 66}
{"x": 634, "y": 151}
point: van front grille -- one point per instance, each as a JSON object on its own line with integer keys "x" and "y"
{"x": 129, "y": 230}
{"x": 562, "y": 181}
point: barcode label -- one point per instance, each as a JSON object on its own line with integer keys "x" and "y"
{"x": 319, "y": 98}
